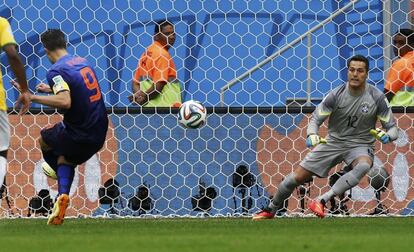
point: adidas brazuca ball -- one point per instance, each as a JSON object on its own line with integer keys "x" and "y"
{"x": 192, "y": 114}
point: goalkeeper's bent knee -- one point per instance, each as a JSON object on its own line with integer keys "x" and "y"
{"x": 351, "y": 178}
{"x": 361, "y": 168}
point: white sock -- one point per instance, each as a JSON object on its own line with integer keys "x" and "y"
{"x": 3, "y": 169}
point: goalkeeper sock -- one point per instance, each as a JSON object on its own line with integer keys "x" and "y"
{"x": 347, "y": 181}
{"x": 65, "y": 174}
{"x": 284, "y": 191}
{"x": 51, "y": 159}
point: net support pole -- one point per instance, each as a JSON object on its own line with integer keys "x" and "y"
{"x": 283, "y": 49}
{"x": 309, "y": 70}
{"x": 387, "y": 36}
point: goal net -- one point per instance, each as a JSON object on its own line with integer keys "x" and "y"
{"x": 150, "y": 165}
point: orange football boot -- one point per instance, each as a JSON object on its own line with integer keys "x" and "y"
{"x": 59, "y": 209}
{"x": 317, "y": 208}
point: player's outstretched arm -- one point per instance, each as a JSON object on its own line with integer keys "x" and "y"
{"x": 41, "y": 87}
{"x": 61, "y": 100}
{"x": 321, "y": 113}
{"x": 18, "y": 70}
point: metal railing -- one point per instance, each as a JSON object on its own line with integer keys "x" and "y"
{"x": 308, "y": 34}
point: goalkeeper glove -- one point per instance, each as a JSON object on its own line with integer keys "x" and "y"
{"x": 380, "y": 135}
{"x": 314, "y": 140}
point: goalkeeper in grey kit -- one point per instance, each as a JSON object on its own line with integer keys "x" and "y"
{"x": 353, "y": 110}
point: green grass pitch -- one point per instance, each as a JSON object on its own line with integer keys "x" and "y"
{"x": 209, "y": 234}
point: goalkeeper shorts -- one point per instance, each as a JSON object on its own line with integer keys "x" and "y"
{"x": 325, "y": 156}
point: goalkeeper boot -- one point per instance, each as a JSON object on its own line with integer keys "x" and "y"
{"x": 266, "y": 213}
{"x": 59, "y": 209}
{"x": 48, "y": 171}
{"x": 317, "y": 208}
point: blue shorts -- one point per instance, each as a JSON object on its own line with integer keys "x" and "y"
{"x": 63, "y": 144}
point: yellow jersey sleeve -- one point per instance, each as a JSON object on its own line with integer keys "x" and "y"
{"x": 6, "y": 35}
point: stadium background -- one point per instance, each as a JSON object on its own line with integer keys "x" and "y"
{"x": 216, "y": 42}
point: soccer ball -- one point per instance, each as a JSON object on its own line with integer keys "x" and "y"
{"x": 192, "y": 114}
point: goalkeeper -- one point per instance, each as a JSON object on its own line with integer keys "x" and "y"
{"x": 353, "y": 109}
